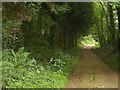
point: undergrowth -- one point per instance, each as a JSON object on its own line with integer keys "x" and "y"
{"x": 109, "y": 56}
{"x": 21, "y": 70}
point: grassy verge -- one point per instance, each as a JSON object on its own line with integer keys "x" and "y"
{"x": 109, "y": 56}
{"x": 21, "y": 70}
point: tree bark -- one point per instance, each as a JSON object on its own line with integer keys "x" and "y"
{"x": 112, "y": 25}
{"x": 118, "y": 14}
{"x": 103, "y": 42}
{"x": 62, "y": 39}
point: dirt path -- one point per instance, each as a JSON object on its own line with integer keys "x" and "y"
{"x": 92, "y": 73}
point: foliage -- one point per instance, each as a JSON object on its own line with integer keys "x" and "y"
{"x": 15, "y": 65}
{"x": 90, "y": 41}
{"x": 61, "y": 62}
{"x": 22, "y": 71}
{"x": 12, "y": 36}
{"x": 106, "y": 23}
{"x": 60, "y": 9}
{"x": 48, "y": 31}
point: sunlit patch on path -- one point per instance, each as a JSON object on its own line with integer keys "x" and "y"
{"x": 92, "y": 73}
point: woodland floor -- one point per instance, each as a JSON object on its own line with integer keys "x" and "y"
{"x": 92, "y": 72}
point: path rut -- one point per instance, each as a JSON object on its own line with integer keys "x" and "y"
{"x": 92, "y": 72}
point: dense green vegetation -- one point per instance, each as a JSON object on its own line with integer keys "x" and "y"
{"x": 108, "y": 30}
{"x": 40, "y": 39}
{"x": 21, "y": 70}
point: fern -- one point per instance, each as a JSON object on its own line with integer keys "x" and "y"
{"x": 15, "y": 65}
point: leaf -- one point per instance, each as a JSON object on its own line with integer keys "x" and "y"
{"x": 13, "y": 53}
{"x": 6, "y": 64}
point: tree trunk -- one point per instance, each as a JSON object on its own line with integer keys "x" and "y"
{"x": 75, "y": 39}
{"x": 25, "y": 29}
{"x": 99, "y": 34}
{"x": 62, "y": 39}
{"x": 103, "y": 5}
{"x": 102, "y": 32}
{"x": 112, "y": 25}
{"x": 118, "y": 14}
